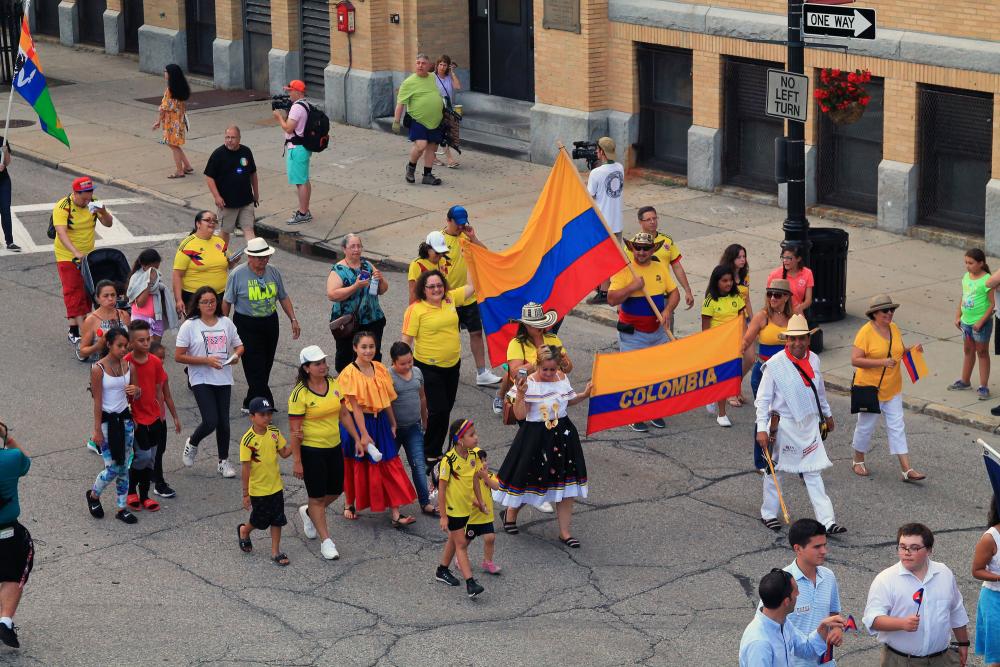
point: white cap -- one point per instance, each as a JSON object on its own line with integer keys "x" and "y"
{"x": 310, "y": 354}
{"x": 436, "y": 241}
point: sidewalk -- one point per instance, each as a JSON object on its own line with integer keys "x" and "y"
{"x": 358, "y": 187}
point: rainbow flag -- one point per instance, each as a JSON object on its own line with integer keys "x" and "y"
{"x": 564, "y": 252}
{"x": 915, "y": 364}
{"x": 666, "y": 379}
{"x": 29, "y": 82}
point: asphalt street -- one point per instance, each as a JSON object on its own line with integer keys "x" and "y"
{"x": 672, "y": 549}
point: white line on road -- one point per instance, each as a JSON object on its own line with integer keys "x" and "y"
{"x": 29, "y": 208}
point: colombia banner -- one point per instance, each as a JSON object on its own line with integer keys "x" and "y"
{"x": 666, "y": 379}
{"x": 564, "y": 252}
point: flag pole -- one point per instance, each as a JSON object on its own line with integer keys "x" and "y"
{"x": 628, "y": 263}
{"x": 10, "y": 98}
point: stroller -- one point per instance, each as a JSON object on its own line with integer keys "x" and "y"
{"x": 105, "y": 264}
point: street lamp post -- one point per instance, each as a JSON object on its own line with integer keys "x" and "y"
{"x": 796, "y": 225}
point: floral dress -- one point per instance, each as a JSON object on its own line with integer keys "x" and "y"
{"x": 173, "y": 120}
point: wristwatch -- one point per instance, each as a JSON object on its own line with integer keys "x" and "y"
{"x": 964, "y": 644}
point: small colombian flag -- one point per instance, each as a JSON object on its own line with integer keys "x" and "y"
{"x": 915, "y": 364}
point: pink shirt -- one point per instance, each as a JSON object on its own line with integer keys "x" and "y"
{"x": 799, "y": 283}
{"x": 299, "y": 114}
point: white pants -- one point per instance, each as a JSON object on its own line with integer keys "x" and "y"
{"x": 821, "y": 503}
{"x": 892, "y": 413}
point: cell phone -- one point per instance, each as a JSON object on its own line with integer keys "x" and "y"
{"x": 522, "y": 372}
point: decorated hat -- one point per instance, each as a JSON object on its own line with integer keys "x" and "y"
{"x": 797, "y": 326}
{"x": 533, "y": 315}
{"x": 880, "y": 302}
{"x": 645, "y": 239}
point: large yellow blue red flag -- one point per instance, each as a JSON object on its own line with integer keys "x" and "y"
{"x": 29, "y": 82}
{"x": 564, "y": 252}
{"x": 666, "y": 379}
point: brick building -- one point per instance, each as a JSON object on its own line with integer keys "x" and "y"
{"x": 678, "y": 83}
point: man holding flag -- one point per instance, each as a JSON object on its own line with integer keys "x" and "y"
{"x": 915, "y": 605}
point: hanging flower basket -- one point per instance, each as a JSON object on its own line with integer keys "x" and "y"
{"x": 841, "y": 94}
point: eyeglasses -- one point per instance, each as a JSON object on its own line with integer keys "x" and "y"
{"x": 916, "y": 548}
{"x": 787, "y": 257}
{"x": 209, "y": 221}
{"x": 776, "y": 295}
{"x": 203, "y": 302}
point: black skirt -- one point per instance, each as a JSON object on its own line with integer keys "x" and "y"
{"x": 543, "y": 465}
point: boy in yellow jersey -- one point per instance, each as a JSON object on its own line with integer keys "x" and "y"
{"x": 481, "y": 523}
{"x": 260, "y": 448}
{"x": 458, "y": 496}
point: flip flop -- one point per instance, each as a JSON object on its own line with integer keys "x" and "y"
{"x": 403, "y": 521}
{"x": 431, "y": 512}
{"x": 176, "y": 175}
{"x": 150, "y": 505}
{"x": 349, "y": 509}
{"x": 859, "y": 464}
{"x": 281, "y": 559}
{"x": 246, "y": 546}
{"x": 189, "y": 171}
{"x": 132, "y": 501}
{"x": 453, "y": 165}
{"x": 571, "y": 542}
{"x": 510, "y": 527}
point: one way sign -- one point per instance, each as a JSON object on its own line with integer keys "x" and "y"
{"x": 831, "y": 21}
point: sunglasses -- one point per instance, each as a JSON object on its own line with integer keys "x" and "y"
{"x": 641, "y": 247}
{"x": 886, "y": 310}
{"x": 776, "y": 295}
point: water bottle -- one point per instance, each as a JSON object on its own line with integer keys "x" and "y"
{"x": 373, "y": 287}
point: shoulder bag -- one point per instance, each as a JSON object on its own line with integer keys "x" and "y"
{"x": 343, "y": 327}
{"x": 865, "y": 399}
{"x": 823, "y": 430}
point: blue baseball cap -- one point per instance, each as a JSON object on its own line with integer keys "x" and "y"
{"x": 260, "y": 405}
{"x": 459, "y": 215}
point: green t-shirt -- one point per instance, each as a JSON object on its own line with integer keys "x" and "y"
{"x": 975, "y": 298}
{"x": 423, "y": 100}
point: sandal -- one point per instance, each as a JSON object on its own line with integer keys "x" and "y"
{"x": 453, "y": 165}
{"x": 915, "y": 477}
{"x": 402, "y": 521}
{"x": 433, "y": 511}
{"x": 835, "y": 529}
{"x": 859, "y": 464}
{"x": 281, "y": 559}
{"x": 772, "y": 524}
{"x": 571, "y": 542}
{"x": 350, "y": 513}
{"x": 510, "y": 527}
{"x": 132, "y": 501}
{"x": 150, "y": 505}
{"x": 176, "y": 175}
{"x": 736, "y": 401}
{"x": 189, "y": 171}
{"x": 246, "y": 546}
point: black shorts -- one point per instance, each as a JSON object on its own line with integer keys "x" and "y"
{"x": 323, "y": 471}
{"x": 474, "y": 530}
{"x": 468, "y": 318}
{"x": 457, "y": 522}
{"x": 150, "y": 436}
{"x": 17, "y": 554}
{"x": 267, "y": 511}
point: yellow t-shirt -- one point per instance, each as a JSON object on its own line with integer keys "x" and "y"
{"x": 875, "y": 347}
{"x": 321, "y": 426}
{"x": 478, "y": 517}
{"x": 635, "y": 309}
{"x": 744, "y": 288}
{"x": 421, "y": 265}
{"x": 436, "y": 340}
{"x": 261, "y": 450}
{"x": 79, "y": 223}
{"x": 527, "y": 351}
{"x": 203, "y": 262}
{"x": 722, "y": 310}
{"x": 460, "y": 473}
{"x": 458, "y": 272}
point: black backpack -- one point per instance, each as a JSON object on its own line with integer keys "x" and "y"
{"x": 316, "y": 135}
{"x": 51, "y": 233}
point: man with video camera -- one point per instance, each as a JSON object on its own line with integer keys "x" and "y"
{"x": 606, "y": 184}
{"x": 293, "y": 122}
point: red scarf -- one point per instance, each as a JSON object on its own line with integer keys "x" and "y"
{"x": 804, "y": 366}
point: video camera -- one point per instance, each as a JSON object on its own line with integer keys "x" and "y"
{"x": 283, "y": 102}
{"x": 586, "y": 150}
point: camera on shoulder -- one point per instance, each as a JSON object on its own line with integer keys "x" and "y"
{"x": 586, "y": 150}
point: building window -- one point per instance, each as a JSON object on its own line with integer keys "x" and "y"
{"x": 849, "y": 155}
{"x": 956, "y": 136}
{"x": 664, "y": 107}
{"x": 509, "y": 11}
{"x": 748, "y": 132}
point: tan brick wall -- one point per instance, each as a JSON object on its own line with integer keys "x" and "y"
{"x": 706, "y": 89}
{"x": 899, "y": 130}
{"x": 164, "y": 13}
{"x": 443, "y": 28}
{"x": 573, "y": 70}
{"x": 285, "y": 25}
{"x": 114, "y": 5}
{"x": 978, "y": 19}
{"x": 229, "y": 19}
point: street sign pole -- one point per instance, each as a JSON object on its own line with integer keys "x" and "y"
{"x": 796, "y": 226}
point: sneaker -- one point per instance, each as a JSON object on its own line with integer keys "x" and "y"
{"x": 431, "y": 179}
{"x": 487, "y": 378}
{"x": 639, "y": 427}
{"x": 473, "y": 588}
{"x": 163, "y": 490}
{"x": 226, "y": 469}
{"x": 598, "y": 298}
{"x": 983, "y": 393}
{"x": 79, "y": 355}
{"x": 126, "y": 517}
{"x": 445, "y": 576}
{"x": 190, "y": 451}
{"x": 13, "y": 247}
{"x": 73, "y": 339}
{"x": 835, "y": 529}
{"x": 411, "y": 174}
{"x": 712, "y": 409}
{"x": 490, "y": 567}
{"x": 329, "y": 550}
{"x": 432, "y": 496}
{"x": 497, "y": 405}
{"x": 92, "y": 446}
{"x": 546, "y": 507}
{"x": 307, "y": 525}
{"x": 94, "y": 506}
{"x": 995, "y": 411}
{"x": 958, "y": 385}
{"x": 658, "y": 423}
{"x": 723, "y": 421}
{"x": 9, "y": 635}
{"x": 298, "y": 218}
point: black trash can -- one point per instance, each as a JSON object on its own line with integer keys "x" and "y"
{"x": 828, "y": 261}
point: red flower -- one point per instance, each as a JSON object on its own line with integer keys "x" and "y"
{"x": 824, "y": 75}
{"x": 824, "y": 108}
{"x": 864, "y": 101}
{"x": 835, "y": 73}
{"x": 852, "y": 78}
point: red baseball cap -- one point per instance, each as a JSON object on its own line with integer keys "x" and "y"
{"x": 296, "y": 84}
{"x": 83, "y": 184}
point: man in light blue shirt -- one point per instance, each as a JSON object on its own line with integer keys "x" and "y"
{"x": 819, "y": 595}
{"x": 769, "y": 641}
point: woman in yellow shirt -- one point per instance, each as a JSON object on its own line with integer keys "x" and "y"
{"x": 877, "y": 353}
{"x": 534, "y": 329}
{"x": 432, "y": 254}
{"x": 430, "y": 328}
{"x": 722, "y": 304}
{"x": 200, "y": 260}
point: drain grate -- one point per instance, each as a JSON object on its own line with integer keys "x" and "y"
{"x": 15, "y": 123}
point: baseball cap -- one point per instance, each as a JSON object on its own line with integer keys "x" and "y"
{"x": 296, "y": 84}
{"x": 607, "y": 145}
{"x": 459, "y": 215}
{"x": 310, "y": 354}
{"x": 436, "y": 241}
{"x": 260, "y": 405}
{"x": 83, "y": 184}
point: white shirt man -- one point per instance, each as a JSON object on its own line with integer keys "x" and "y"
{"x": 606, "y": 184}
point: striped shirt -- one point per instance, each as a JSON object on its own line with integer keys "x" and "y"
{"x": 815, "y": 602}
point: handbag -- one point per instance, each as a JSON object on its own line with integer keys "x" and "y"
{"x": 865, "y": 399}
{"x": 344, "y": 326}
{"x": 823, "y": 430}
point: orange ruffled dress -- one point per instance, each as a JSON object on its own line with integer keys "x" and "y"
{"x": 368, "y": 484}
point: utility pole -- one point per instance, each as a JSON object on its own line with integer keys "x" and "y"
{"x": 796, "y": 226}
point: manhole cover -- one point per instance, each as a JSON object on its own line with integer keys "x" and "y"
{"x": 14, "y": 123}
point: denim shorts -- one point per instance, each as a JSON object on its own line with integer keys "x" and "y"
{"x": 982, "y": 336}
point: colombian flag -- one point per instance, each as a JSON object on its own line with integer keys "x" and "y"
{"x": 564, "y": 252}
{"x": 666, "y": 379}
{"x": 915, "y": 364}
{"x": 29, "y": 82}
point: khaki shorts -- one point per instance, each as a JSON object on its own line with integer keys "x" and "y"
{"x": 230, "y": 218}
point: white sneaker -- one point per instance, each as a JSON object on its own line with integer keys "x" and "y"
{"x": 546, "y": 507}
{"x": 307, "y": 525}
{"x": 226, "y": 469}
{"x": 190, "y": 451}
{"x": 329, "y": 550}
{"x": 723, "y": 421}
{"x": 487, "y": 378}
{"x": 712, "y": 409}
